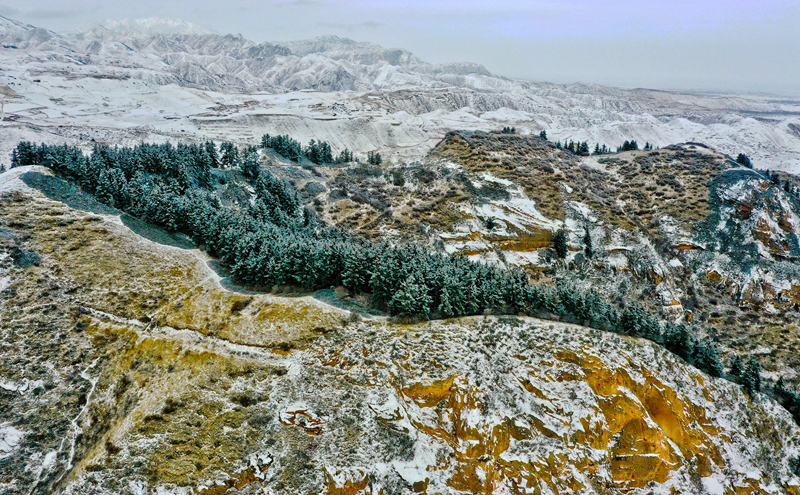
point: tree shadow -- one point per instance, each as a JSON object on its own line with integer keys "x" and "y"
{"x": 66, "y": 192}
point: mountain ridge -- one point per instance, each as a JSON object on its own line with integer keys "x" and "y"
{"x": 413, "y": 102}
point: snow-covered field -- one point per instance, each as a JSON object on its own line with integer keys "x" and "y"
{"x": 127, "y": 84}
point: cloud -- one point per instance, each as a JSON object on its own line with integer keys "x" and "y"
{"x": 9, "y": 11}
{"x": 361, "y": 25}
{"x": 52, "y": 14}
{"x": 299, "y": 3}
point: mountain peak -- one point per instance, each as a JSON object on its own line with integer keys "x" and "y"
{"x": 6, "y": 23}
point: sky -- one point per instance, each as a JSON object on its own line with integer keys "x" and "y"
{"x": 719, "y": 46}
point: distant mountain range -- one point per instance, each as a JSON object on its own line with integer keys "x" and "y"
{"x": 174, "y": 51}
{"x": 412, "y": 104}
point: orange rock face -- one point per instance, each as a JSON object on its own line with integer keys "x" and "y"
{"x": 527, "y": 409}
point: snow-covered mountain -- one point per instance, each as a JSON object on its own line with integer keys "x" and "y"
{"x": 163, "y": 79}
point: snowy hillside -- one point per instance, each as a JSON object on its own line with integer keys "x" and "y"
{"x": 134, "y": 370}
{"x": 158, "y": 79}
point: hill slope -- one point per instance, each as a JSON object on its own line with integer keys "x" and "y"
{"x": 133, "y": 370}
{"x": 683, "y": 230}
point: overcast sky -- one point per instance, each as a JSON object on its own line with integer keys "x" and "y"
{"x": 733, "y": 45}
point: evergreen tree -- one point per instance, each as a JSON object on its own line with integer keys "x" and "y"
{"x": 597, "y": 150}
{"x": 211, "y": 150}
{"x": 345, "y": 156}
{"x": 543, "y": 134}
{"x": 571, "y": 147}
{"x": 445, "y": 306}
{"x": 250, "y": 166}
{"x": 743, "y": 160}
{"x": 794, "y": 466}
{"x": 230, "y": 155}
{"x": 374, "y": 158}
{"x": 737, "y": 368}
{"x": 678, "y": 340}
{"x": 312, "y": 152}
{"x": 751, "y": 376}
{"x": 325, "y": 152}
{"x": 105, "y": 190}
{"x": 588, "y": 248}
{"x": 411, "y": 299}
{"x": 560, "y": 243}
{"x": 706, "y": 357}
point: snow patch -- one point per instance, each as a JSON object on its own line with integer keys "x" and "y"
{"x": 10, "y": 438}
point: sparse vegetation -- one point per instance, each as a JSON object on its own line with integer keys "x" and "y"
{"x": 263, "y": 243}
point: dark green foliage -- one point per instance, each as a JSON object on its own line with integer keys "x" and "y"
{"x": 678, "y": 339}
{"x": 588, "y": 248}
{"x": 345, "y": 157}
{"x": 635, "y": 321}
{"x": 794, "y": 466}
{"x": 250, "y": 166}
{"x": 744, "y": 160}
{"x": 509, "y": 130}
{"x": 284, "y": 146}
{"x": 706, "y": 357}
{"x": 577, "y": 148}
{"x": 560, "y": 243}
{"x": 628, "y": 146}
{"x": 788, "y": 399}
{"x": 230, "y": 155}
{"x": 15, "y": 157}
{"x": 374, "y": 158}
{"x": 751, "y": 377}
{"x": 411, "y": 299}
{"x": 23, "y": 258}
{"x": 737, "y": 368}
{"x": 211, "y": 152}
{"x": 543, "y": 135}
{"x": 319, "y": 152}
